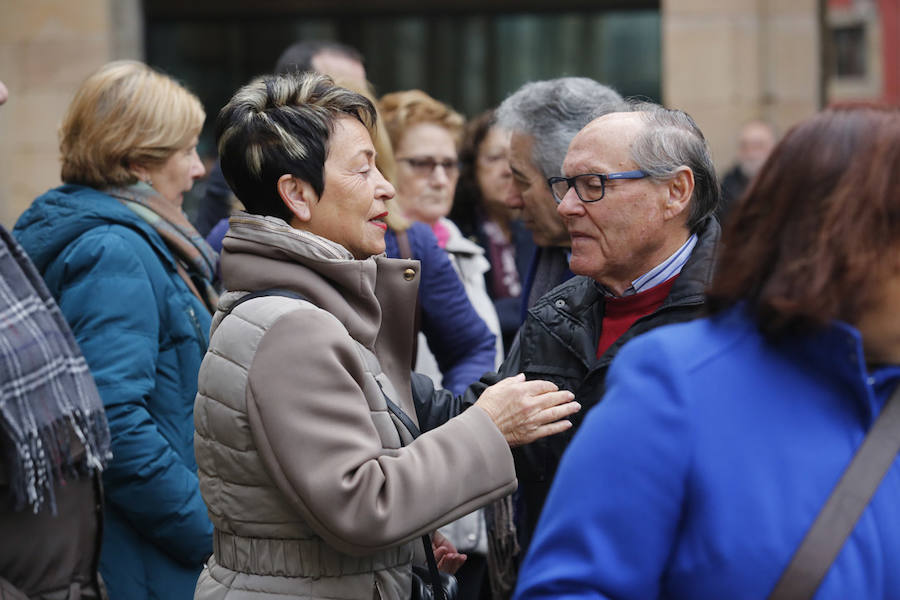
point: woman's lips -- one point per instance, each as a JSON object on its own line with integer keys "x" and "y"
{"x": 378, "y": 221}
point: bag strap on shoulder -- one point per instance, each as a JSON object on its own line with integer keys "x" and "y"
{"x": 837, "y": 519}
{"x": 392, "y": 406}
{"x": 404, "y": 418}
{"x": 263, "y": 293}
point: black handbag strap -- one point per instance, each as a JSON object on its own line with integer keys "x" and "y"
{"x": 263, "y": 293}
{"x": 848, "y": 500}
{"x": 404, "y": 418}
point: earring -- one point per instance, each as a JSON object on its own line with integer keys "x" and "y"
{"x": 149, "y": 182}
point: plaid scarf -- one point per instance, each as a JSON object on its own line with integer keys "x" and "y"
{"x": 52, "y": 422}
{"x": 194, "y": 258}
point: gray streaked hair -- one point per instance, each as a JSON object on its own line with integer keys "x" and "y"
{"x": 281, "y": 124}
{"x": 553, "y": 111}
{"x": 670, "y": 140}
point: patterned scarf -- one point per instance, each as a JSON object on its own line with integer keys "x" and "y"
{"x": 194, "y": 258}
{"x": 52, "y": 422}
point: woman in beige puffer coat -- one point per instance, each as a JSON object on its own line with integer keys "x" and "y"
{"x": 314, "y": 489}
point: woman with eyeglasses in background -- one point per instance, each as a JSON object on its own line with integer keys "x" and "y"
{"x": 425, "y": 135}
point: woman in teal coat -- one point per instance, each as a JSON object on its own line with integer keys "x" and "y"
{"x": 133, "y": 280}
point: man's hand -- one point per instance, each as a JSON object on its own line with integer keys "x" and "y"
{"x": 448, "y": 559}
{"x": 525, "y": 411}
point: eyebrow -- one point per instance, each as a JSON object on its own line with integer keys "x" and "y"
{"x": 517, "y": 173}
{"x": 367, "y": 152}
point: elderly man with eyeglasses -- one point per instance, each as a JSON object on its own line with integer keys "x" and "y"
{"x": 636, "y": 194}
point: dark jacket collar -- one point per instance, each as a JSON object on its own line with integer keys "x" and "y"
{"x": 572, "y": 312}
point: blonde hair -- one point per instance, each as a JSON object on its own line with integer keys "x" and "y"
{"x": 402, "y": 110}
{"x": 125, "y": 114}
{"x": 384, "y": 157}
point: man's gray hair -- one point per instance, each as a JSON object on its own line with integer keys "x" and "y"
{"x": 553, "y": 111}
{"x": 671, "y": 139}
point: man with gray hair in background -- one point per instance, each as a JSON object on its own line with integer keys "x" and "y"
{"x": 636, "y": 193}
{"x": 542, "y": 118}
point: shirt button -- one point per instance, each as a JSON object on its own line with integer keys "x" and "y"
{"x": 409, "y": 274}
{"x": 870, "y": 380}
{"x": 560, "y": 303}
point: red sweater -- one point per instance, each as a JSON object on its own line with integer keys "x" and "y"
{"x": 621, "y": 313}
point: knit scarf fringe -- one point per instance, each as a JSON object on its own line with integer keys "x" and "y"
{"x": 52, "y": 420}
{"x": 43, "y": 458}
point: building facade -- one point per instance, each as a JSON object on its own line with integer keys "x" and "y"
{"x": 723, "y": 61}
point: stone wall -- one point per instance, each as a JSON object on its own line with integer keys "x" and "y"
{"x": 728, "y": 61}
{"x": 47, "y": 47}
{"x": 724, "y": 61}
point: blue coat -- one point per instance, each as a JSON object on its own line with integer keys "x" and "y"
{"x": 462, "y": 344}
{"x": 143, "y": 334}
{"x": 706, "y": 463}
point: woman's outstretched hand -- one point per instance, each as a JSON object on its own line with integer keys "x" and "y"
{"x": 448, "y": 559}
{"x": 525, "y": 411}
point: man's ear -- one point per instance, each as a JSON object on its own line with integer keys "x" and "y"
{"x": 679, "y": 191}
{"x": 298, "y": 195}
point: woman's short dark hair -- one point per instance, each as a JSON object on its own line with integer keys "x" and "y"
{"x": 812, "y": 239}
{"x": 281, "y": 124}
{"x": 467, "y": 197}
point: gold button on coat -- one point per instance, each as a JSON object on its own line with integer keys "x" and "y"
{"x": 409, "y": 274}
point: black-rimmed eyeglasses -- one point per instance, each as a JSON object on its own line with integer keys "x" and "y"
{"x": 590, "y": 187}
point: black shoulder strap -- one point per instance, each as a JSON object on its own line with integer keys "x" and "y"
{"x": 849, "y": 498}
{"x": 392, "y": 406}
{"x": 262, "y": 293}
{"x": 404, "y": 418}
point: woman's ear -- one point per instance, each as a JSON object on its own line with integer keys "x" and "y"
{"x": 299, "y": 196}
{"x": 140, "y": 172}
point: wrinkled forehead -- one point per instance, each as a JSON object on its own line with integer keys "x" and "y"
{"x": 604, "y": 145}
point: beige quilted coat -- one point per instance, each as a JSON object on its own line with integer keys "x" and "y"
{"x": 301, "y": 465}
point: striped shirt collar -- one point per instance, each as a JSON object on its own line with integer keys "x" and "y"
{"x": 662, "y": 272}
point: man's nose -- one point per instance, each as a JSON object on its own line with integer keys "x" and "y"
{"x": 570, "y": 205}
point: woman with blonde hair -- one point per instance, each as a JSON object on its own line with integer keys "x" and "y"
{"x": 425, "y": 135}
{"x": 133, "y": 280}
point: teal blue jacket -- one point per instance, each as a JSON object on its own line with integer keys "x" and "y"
{"x": 143, "y": 334}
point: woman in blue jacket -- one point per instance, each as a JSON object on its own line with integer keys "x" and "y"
{"x": 719, "y": 441}
{"x": 132, "y": 278}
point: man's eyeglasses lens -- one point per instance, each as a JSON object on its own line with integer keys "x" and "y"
{"x": 425, "y": 166}
{"x": 589, "y": 187}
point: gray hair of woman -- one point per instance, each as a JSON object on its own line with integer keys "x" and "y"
{"x": 553, "y": 111}
{"x": 281, "y": 124}
{"x": 671, "y": 139}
